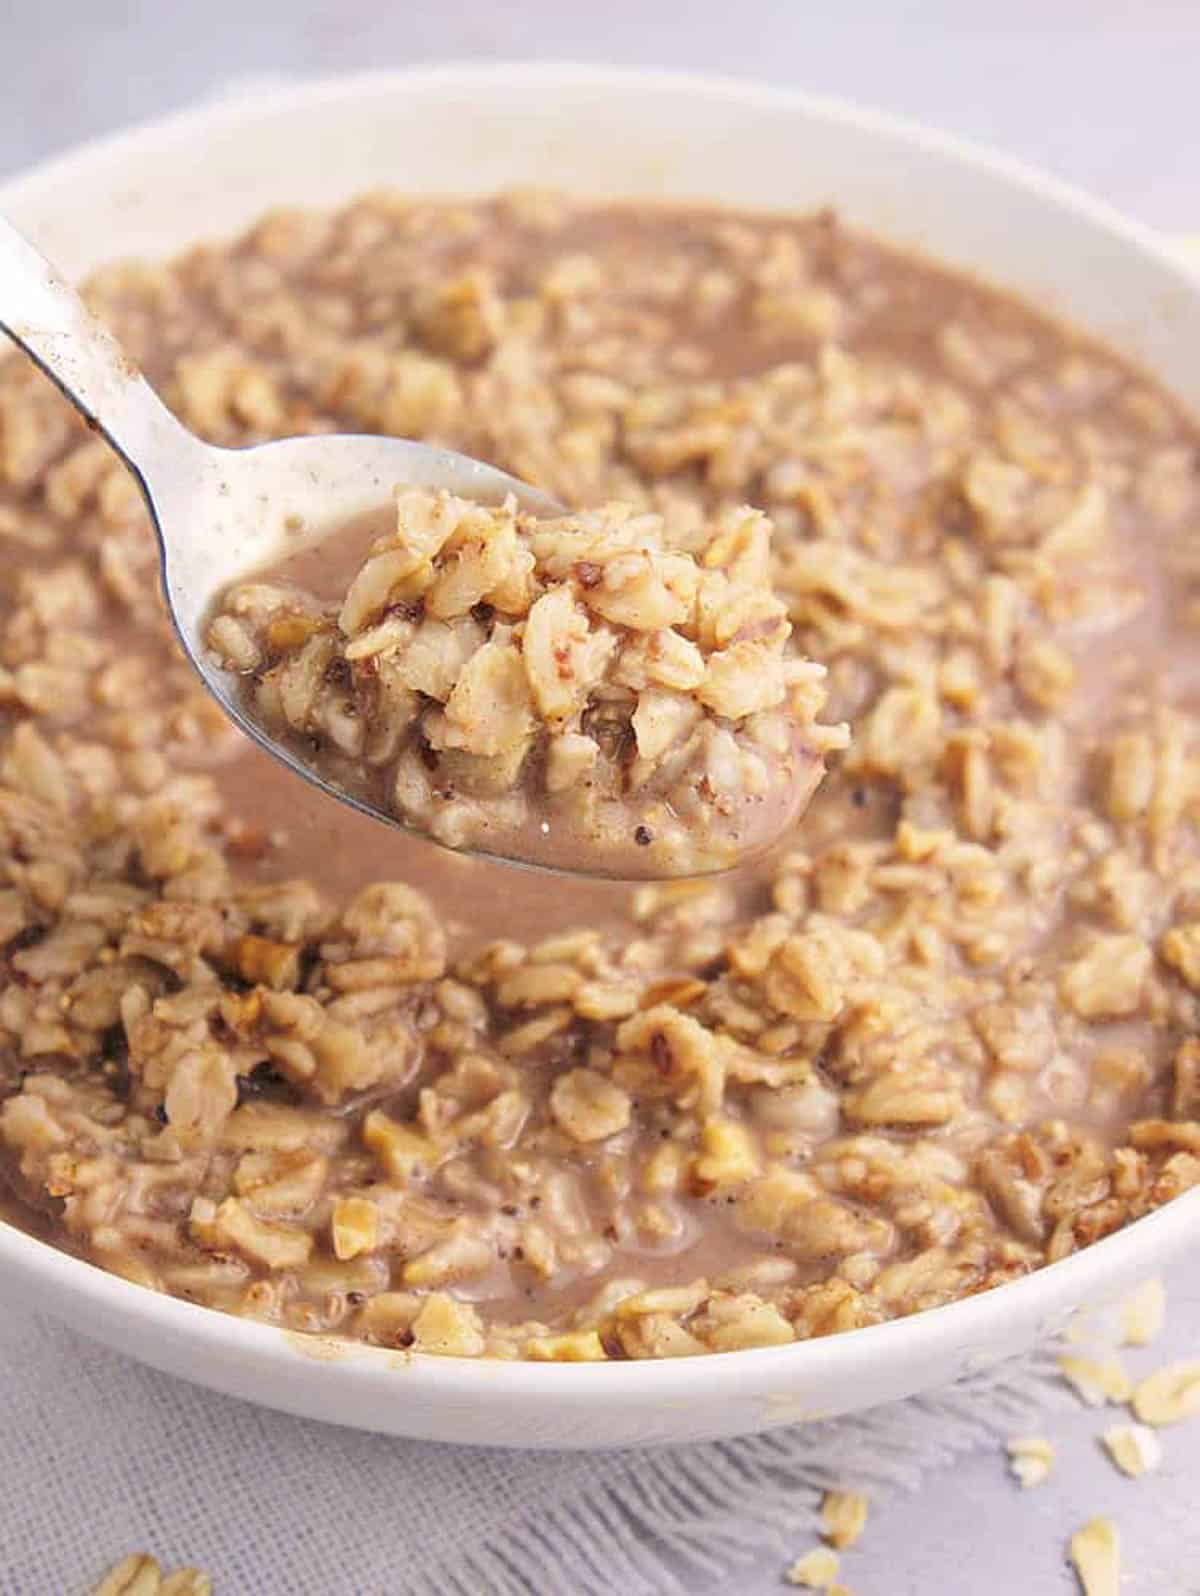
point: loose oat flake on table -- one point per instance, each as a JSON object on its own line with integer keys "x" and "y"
{"x": 815, "y": 1570}
{"x": 1096, "y": 1380}
{"x": 1095, "y": 1552}
{"x": 279, "y": 1061}
{"x": 1142, "y": 1314}
{"x": 1030, "y": 1460}
{"x": 139, "y": 1574}
{"x": 1133, "y": 1448}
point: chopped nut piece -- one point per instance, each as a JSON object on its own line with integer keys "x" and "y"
{"x": 275, "y": 964}
{"x": 729, "y": 1157}
{"x": 582, "y": 1346}
{"x": 449, "y": 1327}
{"x": 1031, "y": 1458}
{"x": 354, "y": 1227}
{"x": 1096, "y": 1554}
{"x": 1134, "y": 1448}
{"x": 403, "y": 1151}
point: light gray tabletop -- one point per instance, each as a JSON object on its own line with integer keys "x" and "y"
{"x": 973, "y": 1532}
{"x": 1103, "y": 92}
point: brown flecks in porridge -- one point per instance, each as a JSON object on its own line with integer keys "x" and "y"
{"x": 566, "y": 690}
{"x": 944, "y": 1034}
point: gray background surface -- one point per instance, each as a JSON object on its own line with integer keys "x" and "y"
{"x": 1101, "y": 92}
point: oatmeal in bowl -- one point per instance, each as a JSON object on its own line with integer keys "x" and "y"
{"x": 940, "y": 1036}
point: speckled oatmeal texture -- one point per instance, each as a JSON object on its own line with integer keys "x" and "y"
{"x": 948, "y": 1031}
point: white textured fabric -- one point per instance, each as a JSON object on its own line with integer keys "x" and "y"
{"x": 99, "y": 1457}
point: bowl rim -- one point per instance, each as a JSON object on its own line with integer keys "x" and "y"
{"x": 331, "y": 1360}
{"x": 274, "y": 96}
{"x": 1045, "y": 1294}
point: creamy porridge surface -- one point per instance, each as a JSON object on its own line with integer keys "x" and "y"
{"x": 263, "y": 1054}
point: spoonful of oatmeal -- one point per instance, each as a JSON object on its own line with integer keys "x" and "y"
{"x": 444, "y": 648}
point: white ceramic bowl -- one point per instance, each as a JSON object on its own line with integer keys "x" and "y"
{"x": 605, "y": 132}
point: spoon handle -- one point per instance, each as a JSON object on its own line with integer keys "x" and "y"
{"x": 42, "y": 313}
